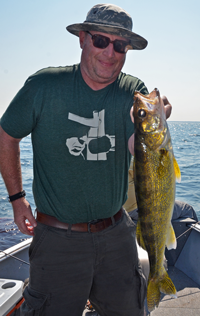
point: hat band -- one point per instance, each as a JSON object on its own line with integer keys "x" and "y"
{"x": 109, "y": 24}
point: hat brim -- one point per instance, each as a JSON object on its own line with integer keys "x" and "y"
{"x": 136, "y": 41}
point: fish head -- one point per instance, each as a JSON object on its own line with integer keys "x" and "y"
{"x": 149, "y": 117}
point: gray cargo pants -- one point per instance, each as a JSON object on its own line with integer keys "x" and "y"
{"x": 67, "y": 268}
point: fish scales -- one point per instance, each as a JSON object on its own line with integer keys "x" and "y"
{"x": 155, "y": 170}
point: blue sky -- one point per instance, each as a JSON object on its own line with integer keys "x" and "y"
{"x": 33, "y": 36}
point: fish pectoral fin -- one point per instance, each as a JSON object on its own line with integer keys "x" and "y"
{"x": 139, "y": 236}
{"x": 177, "y": 170}
{"x": 171, "y": 242}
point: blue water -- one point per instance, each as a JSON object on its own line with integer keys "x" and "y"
{"x": 186, "y": 145}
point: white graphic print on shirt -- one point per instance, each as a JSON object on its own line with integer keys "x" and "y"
{"x": 96, "y": 142}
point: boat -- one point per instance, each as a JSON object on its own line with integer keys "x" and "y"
{"x": 14, "y": 270}
{"x": 183, "y": 264}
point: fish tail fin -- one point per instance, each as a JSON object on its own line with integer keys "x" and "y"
{"x": 156, "y": 286}
{"x": 177, "y": 170}
{"x": 171, "y": 242}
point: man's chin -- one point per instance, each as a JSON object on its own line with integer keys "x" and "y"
{"x": 106, "y": 77}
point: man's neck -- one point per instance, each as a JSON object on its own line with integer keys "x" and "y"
{"x": 94, "y": 85}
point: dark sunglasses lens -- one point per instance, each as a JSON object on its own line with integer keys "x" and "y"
{"x": 100, "y": 41}
{"x": 119, "y": 46}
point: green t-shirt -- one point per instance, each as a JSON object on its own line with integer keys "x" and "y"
{"x": 80, "y": 141}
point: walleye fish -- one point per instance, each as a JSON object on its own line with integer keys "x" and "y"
{"x": 155, "y": 172}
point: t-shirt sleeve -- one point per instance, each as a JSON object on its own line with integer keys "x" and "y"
{"x": 141, "y": 88}
{"x": 22, "y": 113}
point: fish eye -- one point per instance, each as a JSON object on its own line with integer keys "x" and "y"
{"x": 141, "y": 113}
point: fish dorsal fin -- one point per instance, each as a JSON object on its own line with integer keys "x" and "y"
{"x": 171, "y": 242}
{"x": 177, "y": 170}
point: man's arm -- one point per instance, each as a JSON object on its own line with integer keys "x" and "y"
{"x": 10, "y": 168}
{"x": 168, "y": 111}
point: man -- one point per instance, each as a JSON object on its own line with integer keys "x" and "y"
{"x": 83, "y": 137}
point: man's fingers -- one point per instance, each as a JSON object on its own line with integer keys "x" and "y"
{"x": 131, "y": 114}
{"x": 24, "y": 229}
{"x": 167, "y": 106}
{"x": 165, "y": 100}
{"x": 31, "y": 219}
{"x": 30, "y": 227}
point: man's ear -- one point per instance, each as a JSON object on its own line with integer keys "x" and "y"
{"x": 82, "y": 36}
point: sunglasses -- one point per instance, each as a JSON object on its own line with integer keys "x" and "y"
{"x": 101, "y": 41}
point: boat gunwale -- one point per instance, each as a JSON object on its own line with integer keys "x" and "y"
{"x": 14, "y": 249}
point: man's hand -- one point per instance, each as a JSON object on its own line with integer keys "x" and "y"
{"x": 131, "y": 113}
{"x": 167, "y": 106}
{"x": 23, "y": 216}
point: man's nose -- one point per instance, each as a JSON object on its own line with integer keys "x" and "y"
{"x": 109, "y": 50}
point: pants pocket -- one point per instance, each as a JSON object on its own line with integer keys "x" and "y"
{"x": 34, "y": 304}
{"x": 40, "y": 233}
{"x": 142, "y": 286}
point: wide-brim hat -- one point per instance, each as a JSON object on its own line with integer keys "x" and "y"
{"x": 111, "y": 19}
